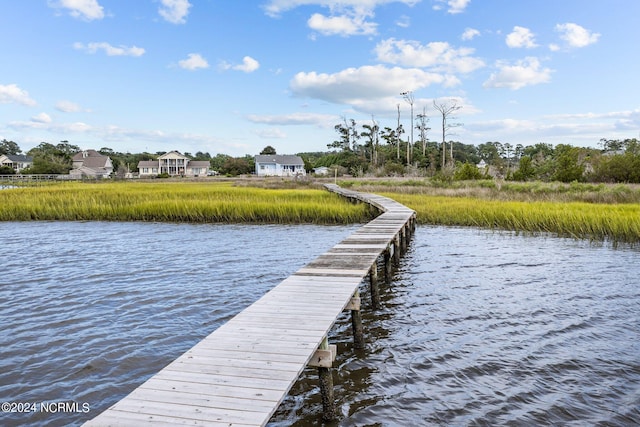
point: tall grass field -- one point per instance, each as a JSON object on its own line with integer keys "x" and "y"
{"x": 178, "y": 202}
{"x": 611, "y": 222}
{"x": 599, "y": 212}
{"x": 584, "y": 211}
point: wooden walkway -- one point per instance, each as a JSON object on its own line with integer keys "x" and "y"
{"x": 239, "y": 374}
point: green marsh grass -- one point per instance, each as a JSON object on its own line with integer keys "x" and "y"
{"x": 599, "y": 212}
{"x": 178, "y": 202}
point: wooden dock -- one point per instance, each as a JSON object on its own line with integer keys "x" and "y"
{"x": 239, "y": 374}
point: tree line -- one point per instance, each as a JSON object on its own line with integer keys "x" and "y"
{"x": 373, "y": 151}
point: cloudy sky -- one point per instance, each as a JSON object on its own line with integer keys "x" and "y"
{"x": 232, "y": 77}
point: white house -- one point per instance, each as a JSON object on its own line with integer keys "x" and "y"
{"x": 173, "y": 163}
{"x": 17, "y": 162}
{"x": 92, "y": 164}
{"x": 279, "y": 165}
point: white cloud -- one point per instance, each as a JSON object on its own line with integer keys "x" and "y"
{"x": 43, "y": 124}
{"x": 82, "y": 9}
{"x": 521, "y": 37}
{"x": 457, "y": 6}
{"x": 403, "y": 22}
{"x": 41, "y": 118}
{"x": 109, "y": 50}
{"x": 341, "y": 25}
{"x": 174, "y": 11}
{"x": 67, "y": 107}
{"x": 346, "y": 17}
{"x": 12, "y": 93}
{"x": 453, "y": 6}
{"x": 470, "y": 34}
{"x": 273, "y": 133}
{"x": 193, "y": 62}
{"x": 276, "y": 7}
{"x": 293, "y": 119}
{"x": 248, "y": 65}
{"x": 355, "y": 85}
{"x": 576, "y": 36}
{"x": 523, "y": 73}
{"x": 439, "y": 55}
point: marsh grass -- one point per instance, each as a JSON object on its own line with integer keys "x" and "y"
{"x": 586, "y": 211}
{"x": 505, "y": 190}
{"x": 178, "y": 202}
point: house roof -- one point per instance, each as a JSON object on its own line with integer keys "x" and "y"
{"x": 198, "y": 164}
{"x": 147, "y": 164}
{"x": 280, "y": 159}
{"x": 172, "y": 155}
{"x": 19, "y": 158}
{"x": 92, "y": 159}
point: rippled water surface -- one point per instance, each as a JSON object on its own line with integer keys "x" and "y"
{"x": 477, "y": 328}
{"x": 488, "y": 329}
{"x": 89, "y": 310}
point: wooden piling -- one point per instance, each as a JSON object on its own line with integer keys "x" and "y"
{"x": 326, "y": 388}
{"x": 374, "y": 289}
{"x": 356, "y": 324}
{"x": 388, "y": 273}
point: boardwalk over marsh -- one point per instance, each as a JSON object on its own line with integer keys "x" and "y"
{"x": 239, "y": 374}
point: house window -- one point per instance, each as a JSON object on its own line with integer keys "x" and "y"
{"x": 154, "y": 170}
{"x": 145, "y": 170}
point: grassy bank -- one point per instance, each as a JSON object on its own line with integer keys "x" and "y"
{"x": 178, "y": 202}
{"x": 586, "y": 211}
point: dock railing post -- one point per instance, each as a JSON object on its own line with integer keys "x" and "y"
{"x": 326, "y": 388}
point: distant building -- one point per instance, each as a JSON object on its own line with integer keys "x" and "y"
{"x": 17, "y": 162}
{"x": 174, "y": 164}
{"x": 279, "y": 165}
{"x": 322, "y": 170}
{"x": 91, "y": 164}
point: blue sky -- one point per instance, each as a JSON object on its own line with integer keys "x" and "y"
{"x": 231, "y": 77}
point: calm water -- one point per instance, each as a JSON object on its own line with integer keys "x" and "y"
{"x": 478, "y": 328}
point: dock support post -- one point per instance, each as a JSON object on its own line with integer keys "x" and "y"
{"x": 326, "y": 388}
{"x": 373, "y": 286}
{"x": 356, "y": 324}
{"x": 396, "y": 249}
{"x": 387, "y": 265}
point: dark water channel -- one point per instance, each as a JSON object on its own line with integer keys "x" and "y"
{"x": 478, "y": 328}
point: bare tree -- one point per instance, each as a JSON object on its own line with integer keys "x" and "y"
{"x": 422, "y": 127}
{"x": 446, "y": 109}
{"x": 372, "y": 132}
{"x": 398, "y": 132}
{"x": 408, "y": 96}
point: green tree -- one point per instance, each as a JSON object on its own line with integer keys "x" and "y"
{"x": 467, "y": 171}
{"x": 525, "y": 171}
{"x": 9, "y": 147}
{"x": 268, "y": 150}
{"x": 7, "y": 170}
{"x": 567, "y": 167}
{"x": 234, "y": 166}
{"x": 52, "y": 159}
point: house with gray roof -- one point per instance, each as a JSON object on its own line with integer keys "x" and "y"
{"x": 17, "y": 162}
{"x": 91, "y": 164}
{"x": 279, "y": 165}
